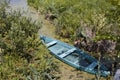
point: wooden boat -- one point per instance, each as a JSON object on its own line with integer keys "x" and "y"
{"x": 74, "y": 56}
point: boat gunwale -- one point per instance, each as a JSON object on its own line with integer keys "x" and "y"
{"x": 73, "y": 65}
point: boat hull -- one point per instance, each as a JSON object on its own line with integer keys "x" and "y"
{"x": 74, "y": 56}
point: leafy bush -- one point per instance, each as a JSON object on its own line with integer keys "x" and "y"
{"x": 21, "y": 54}
{"x": 74, "y": 15}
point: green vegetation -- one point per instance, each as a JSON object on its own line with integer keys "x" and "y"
{"x": 96, "y": 20}
{"x": 21, "y": 54}
{"x": 100, "y": 18}
{"x": 22, "y": 57}
{"x": 75, "y": 14}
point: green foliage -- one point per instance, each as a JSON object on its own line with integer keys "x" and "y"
{"x": 18, "y": 34}
{"x": 76, "y": 14}
{"x": 15, "y": 67}
{"x": 22, "y": 57}
{"x": 102, "y": 16}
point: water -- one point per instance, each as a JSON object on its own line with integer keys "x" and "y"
{"x": 22, "y": 7}
{"x": 18, "y": 5}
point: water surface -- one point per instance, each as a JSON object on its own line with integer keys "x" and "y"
{"x": 18, "y": 5}
{"x": 22, "y": 7}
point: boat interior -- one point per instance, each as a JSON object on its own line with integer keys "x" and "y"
{"x": 71, "y": 54}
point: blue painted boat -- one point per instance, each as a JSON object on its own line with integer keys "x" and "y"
{"x": 74, "y": 56}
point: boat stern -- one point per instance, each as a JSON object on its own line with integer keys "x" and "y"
{"x": 41, "y": 36}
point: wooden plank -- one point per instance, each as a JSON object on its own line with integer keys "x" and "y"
{"x": 51, "y": 43}
{"x": 93, "y": 65}
{"x": 68, "y": 52}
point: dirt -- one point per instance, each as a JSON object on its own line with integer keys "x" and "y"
{"x": 70, "y": 73}
{"x": 47, "y": 28}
